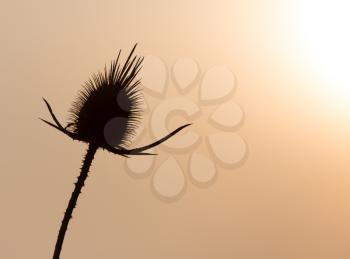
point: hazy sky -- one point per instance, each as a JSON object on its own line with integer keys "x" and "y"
{"x": 290, "y": 199}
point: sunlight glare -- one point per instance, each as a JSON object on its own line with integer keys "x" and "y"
{"x": 325, "y": 27}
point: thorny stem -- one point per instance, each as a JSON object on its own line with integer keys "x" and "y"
{"x": 73, "y": 199}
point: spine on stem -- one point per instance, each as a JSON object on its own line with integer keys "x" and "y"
{"x": 89, "y": 156}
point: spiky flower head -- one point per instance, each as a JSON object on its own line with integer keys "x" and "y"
{"x": 108, "y": 109}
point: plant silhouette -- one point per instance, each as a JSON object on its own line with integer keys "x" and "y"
{"x": 105, "y": 115}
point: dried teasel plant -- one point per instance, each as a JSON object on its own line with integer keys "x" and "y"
{"x": 105, "y": 115}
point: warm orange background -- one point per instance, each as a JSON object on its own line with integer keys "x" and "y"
{"x": 291, "y": 198}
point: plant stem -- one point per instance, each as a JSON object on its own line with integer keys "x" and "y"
{"x": 74, "y": 197}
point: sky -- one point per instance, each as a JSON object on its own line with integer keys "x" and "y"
{"x": 287, "y": 196}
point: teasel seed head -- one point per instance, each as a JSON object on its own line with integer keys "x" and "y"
{"x": 108, "y": 109}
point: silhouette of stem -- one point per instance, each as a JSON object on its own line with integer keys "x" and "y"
{"x": 73, "y": 200}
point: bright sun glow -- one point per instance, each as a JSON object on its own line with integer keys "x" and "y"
{"x": 325, "y": 27}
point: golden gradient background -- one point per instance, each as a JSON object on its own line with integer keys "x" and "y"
{"x": 291, "y": 198}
